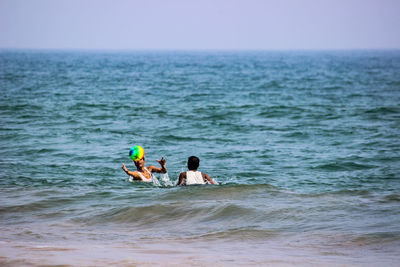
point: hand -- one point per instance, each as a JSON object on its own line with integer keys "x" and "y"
{"x": 162, "y": 161}
{"x": 124, "y": 167}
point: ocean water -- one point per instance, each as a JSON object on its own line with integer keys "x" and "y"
{"x": 305, "y": 146}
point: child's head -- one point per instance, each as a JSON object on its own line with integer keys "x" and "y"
{"x": 193, "y": 163}
{"x": 140, "y": 163}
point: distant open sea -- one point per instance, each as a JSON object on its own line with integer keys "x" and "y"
{"x": 305, "y": 146}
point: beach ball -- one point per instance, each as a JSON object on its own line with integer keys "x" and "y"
{"x": 136, "y": 153}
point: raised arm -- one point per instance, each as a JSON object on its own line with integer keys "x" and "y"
{"x": 163, "y": 168}
{"x": 130, "y": 173}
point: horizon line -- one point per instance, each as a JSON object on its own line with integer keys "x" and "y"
{"x": 193, "y": 49}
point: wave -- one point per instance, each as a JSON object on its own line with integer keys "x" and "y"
{"x": 172, "y": 214}
{"x": 237, "y": 234}
{"x": 368, "y": 239}
{"x": 384, "y": 110}
{"x": 391, "y": 198}
{"x": 178, "y": 138}
{"x": 281, "y": 111}
{"x": 174, "y": 205}
{"x": 222, "y": 191}
{"x": 37, "y": 205}
{"x": 51, "y": 199}
{"x": 344, "y": 166}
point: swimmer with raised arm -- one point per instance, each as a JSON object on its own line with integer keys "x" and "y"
{"x": 193, "y": 176}
{"x": 144, "y": 174}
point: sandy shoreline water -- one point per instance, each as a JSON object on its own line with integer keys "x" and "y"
{"x": 189, "y": 252}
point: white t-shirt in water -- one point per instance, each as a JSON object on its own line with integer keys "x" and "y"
{"x": 194, "y": 177}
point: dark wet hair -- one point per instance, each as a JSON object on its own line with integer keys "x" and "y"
{"x": 193, "y": 163}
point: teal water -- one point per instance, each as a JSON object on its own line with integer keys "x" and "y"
{"x": 305, "y": 146}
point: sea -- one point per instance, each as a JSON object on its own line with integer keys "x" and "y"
{"x": 305, "y": 146}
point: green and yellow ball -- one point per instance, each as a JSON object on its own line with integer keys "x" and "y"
{"x": 136, "y": 153}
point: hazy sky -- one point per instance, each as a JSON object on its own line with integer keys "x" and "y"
{"x": 202, "y": 24}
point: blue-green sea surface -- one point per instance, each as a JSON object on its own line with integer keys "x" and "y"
{"x": 305, "y": 146}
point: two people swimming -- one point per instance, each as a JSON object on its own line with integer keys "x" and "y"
{"x": 145, "y": 174}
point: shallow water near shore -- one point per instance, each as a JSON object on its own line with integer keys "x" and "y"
{"x": 305, "y": 147}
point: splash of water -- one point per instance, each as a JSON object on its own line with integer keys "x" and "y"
{"x": 164, "y": 180}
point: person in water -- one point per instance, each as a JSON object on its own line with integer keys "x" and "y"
{"x": 142, "y": 173}
{"x": 193, "y": 176}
